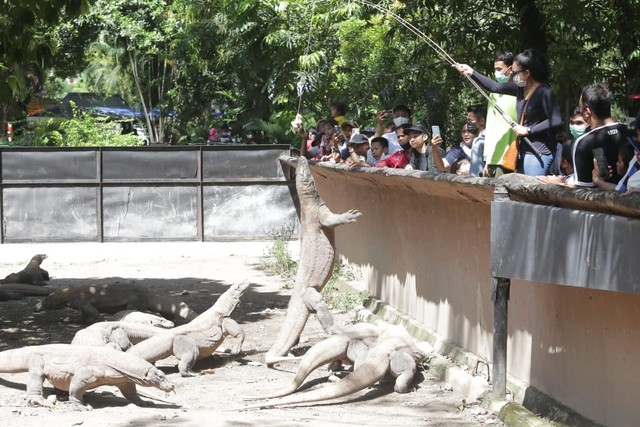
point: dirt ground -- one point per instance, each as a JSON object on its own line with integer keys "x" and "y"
{"x": 199, "y": 273}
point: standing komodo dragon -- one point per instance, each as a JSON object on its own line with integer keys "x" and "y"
{"x": 394, "y": 352}
{"x": 78, "y": 369}
{"x": 32, "y": 274}
{"x": 92, "y": 300}
{"x": 317, "y": 256}
{"x": 200, "y": 337}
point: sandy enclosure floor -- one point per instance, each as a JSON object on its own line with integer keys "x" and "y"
{"x": 199, "y": 273}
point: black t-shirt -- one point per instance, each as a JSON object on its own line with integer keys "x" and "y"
{"x": 607, "y": 137}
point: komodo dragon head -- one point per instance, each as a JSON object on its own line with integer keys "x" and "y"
{"x": 156, "y": 378}
{"x": 230, "y": 299}
{"x": 38, "y": 258}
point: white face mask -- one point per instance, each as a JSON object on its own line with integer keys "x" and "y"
{"x": 577, "y": 130}
{"x": 399, "y": 121}
{"x": 518, "y": 80}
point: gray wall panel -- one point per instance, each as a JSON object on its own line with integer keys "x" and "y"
{"x": 49, "y": 165}
{"x": 245, "y": 164}
{"x": 243, "y": 212}
{"x": 167, "y": 164}
{"x": 150, "y": 213}
{"x": 50, "y": 214}
{"x": 564, "y": 246}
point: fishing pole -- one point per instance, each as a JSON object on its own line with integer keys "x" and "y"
{"x": 447, "y": 58}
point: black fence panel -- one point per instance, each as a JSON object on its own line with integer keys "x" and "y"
{"x": 235, "y": 165}
{"x": 50, "y": 214}
{"x": 244, "y": 211}
{"x": 146, "y": 194}
{"x": 48, "y": 165}
{"x": 150, "y": 213}
{"x": 150, "y": 165}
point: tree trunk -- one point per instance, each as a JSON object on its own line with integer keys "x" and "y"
{"x": 532, "y": 31}
{"x": 136, "y": 79}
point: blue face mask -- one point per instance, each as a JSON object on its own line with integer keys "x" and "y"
{"x": 577, "y": 130}
{"x": 501, "y": 77}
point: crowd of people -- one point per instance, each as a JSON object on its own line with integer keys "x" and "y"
{"x": 520, "y": 129}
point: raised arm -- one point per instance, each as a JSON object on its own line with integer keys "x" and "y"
{"x": 491, "y": 85}
{"x": 436, "y": 142}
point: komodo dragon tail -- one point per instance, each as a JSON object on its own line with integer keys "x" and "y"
{"x": 28, "y": 290}
{"x": 370, "y": 372}
{"x": 294, "y": 321}
{"x": 324, "y": 352}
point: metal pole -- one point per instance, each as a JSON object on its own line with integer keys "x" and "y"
{"x": 500, "y": 297}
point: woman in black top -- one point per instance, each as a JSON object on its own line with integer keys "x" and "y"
{"x": 538, "y": 112}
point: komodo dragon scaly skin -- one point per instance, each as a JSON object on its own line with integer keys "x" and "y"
{"x": 92, "y": 300}
{"x": 352, "y": 344}
{"x": 200, "y": 337}
{"x": 119, "y": 335}
{"x": 32, "y": 274}
{"x": 394, "y": 352}
{"x": 26, "y": 290}
{"x": 317, "y": 256}
{"x": 134, "y": 316}
{"x": 78, "y": 369}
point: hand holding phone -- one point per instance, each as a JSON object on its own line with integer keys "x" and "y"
{"x": 603, "y": 165}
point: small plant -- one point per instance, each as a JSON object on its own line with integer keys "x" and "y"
{"x": 344, "y": 300}
{"x": 278, "y": 261}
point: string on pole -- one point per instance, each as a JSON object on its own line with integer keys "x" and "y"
{"x": 447, "y": 58}
{"x": 306, "y": 52}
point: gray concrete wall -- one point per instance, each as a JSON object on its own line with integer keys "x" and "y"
{"x": 423, "y": 245}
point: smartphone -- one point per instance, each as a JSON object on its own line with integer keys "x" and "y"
{"x": 435, "y": 131}
{"x": 355, "y": 131}
{"x": 603, "y": 165}
{"x": 337, "y": 128}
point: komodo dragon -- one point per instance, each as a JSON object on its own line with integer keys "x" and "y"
{"x": 352, "y": 344}
{"x": 32, "y": 274}
{"x": 119, "y": 335}
{"x": 200, "y": 337}
{"x": 78, "y": 369}
{"x": 394, "y": 352}
{"x": 92, "y": 300}
{"x": 317, "y": 256}
{"x": 14, "y": 291}
{"x": 134, "y": 316}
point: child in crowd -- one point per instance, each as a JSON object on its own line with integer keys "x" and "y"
{"x": 462, "y": 151}
{"x": 627, "y": 166}
{"x": 358, "y": 147}
{"x": 379, "y": 149}
{"x": 461, "y": 166}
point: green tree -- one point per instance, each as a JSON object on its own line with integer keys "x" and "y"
{"x": 27, "y": 47}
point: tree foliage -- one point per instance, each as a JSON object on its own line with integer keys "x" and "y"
{"x": 263, "y": 61}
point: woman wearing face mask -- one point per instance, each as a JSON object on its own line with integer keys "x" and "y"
{"x": 538, "y": 112}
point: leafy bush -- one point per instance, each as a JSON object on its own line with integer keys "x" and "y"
{"x": 82, "y": 130}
